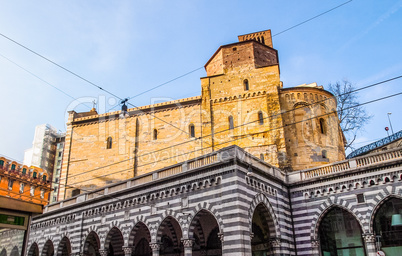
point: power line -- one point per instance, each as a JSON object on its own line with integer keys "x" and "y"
{"x": 311, "y": 118}
{"x": 41, "y": 79}
{"x": 241, "y": 125}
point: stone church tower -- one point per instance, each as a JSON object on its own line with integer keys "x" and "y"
{"x": 242, "y": 103}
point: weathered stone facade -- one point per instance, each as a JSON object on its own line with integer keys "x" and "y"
{"x": 242, "y": 103}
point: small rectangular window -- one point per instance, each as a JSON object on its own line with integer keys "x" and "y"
{"x": 360, "y": 198}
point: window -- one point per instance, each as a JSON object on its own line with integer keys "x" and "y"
{"x": 75, "y": 192}
{"x": 324, "y": 154}
{"x": 322, "y": 126}
{"x": 44, "y": 177}
{"x": 34, "y": 175}
{"x": 60, "y": 153}
{"x": 262, "y": 156}
{"x": 56, "y": 180}
{"x": 262, "y": 40}
{"x": 10, "y": 184}
{"x": 155, "y": 134}
{"x": 13, "y": 167}
{"x": 191, "y": 130}
{"x": 32, "y": 191}
{"x": 260, "y": 118}
{"x": 1, "y": 163}
{"x": 58, "y": 162}
{"x": 360, "y": 198}
{"x": 231, "y": 123}
{"x": 24, "y": 171}
{"x": 22, "y": 185}
{"x": 246, "y": 85}
{"x": 109, "y": 143}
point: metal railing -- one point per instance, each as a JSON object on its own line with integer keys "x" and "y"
{"x": 375, "y": 145}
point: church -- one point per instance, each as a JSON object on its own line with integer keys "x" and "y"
{"x": 247, "y": 168}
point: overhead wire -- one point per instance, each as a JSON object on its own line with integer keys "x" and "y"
{"x": 241, "y": 125}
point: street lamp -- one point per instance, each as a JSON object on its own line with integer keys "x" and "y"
{"x": 392, "y": 130}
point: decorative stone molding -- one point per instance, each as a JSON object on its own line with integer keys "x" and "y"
{"x": 315, "y": 243}
{"x": 128, "y": 250}
{"x": 221, "y": 237}
{"x": 275, "y": 242}
{"x": 155, "y": 246}
{"x": 188, "y": 243}
{"x": 369, "y": 238}
{"x": 103, "y": 252}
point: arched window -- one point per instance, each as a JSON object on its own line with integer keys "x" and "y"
{"x": 260, "y": 118}
{"x": 324, "y": 154}
{"x": 340, "y": 232}
{"x": 231, "y": 123}
{"x": 262, "y": 40}
{"x": 44, "y": 177}
{"x": 155, "y": 134}
{"x": 1, "y": 163}
{"x": 322, "y": 126}
{"x": 109, "y": 143}
{"x": 34, "y": 175}
{"x": 13, "y": 167}
{"x": 246, "y": 85}
{"x": 24, "y": 171}
{"x": 191, "y": 130}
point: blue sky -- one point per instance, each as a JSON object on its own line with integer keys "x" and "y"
{"x": 127, "y": 47}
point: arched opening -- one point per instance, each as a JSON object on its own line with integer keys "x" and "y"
{"x": 155, "y": 134}
{"x": 33, "y": 250}
{"x": 91, "y": 245}
{"x": 64, "y": 248}
{"x": 48, "y": 249}
{"x": 263, "y": 231}
{"x": 191, "y": 130}
{"x": 340, "y": 234}
{"x": 3, "y": 252}
{"x": 260, "y": 118}
{"x": 109, "y": 142}
{"x": 204, "y": 230}
{"x": 388, "y": 225}
{"x": 262, "y": 40}
{"x": 114, "y": 243}
{"x": 169, "y": 237}
{"x": 140, "y": 238}
{"x": 246, "y": 85}
{"x": 323, "y": 128}
{"x": 231, "y": 126}
{"x": 14, "y": 251}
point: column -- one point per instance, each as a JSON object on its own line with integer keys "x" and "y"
{"x": 188, "y": 247}
{"x": 315, "y": 247}
{"x": 276, "y": 246}
{"x": 155, "y": 248}
{"x": 103, "y": 252}
{"x": 369, "y": 241}
{"x": 128, "y": 250}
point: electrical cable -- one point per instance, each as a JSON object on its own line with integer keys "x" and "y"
{"x": 228, "y": 129}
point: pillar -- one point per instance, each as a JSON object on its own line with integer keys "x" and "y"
{"x": 188, "y": 247}
{"x": 276, "y": 246}
{"x": 103, "y": 252}
{"x": 128, "y": 250}
{"x": 369, "y": 241}
{"x": 315, "y": 247}
{"x": 155, "y": 248}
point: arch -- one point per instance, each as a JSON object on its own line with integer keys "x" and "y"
{"x": 64, "y": 248}
{"x": 246, "y": 84}
{"x": 323, "y": 126}
{"x": 230, "y": 120}
{"x": 378, "y": 204}
{"x": 327, "y": 206}
{"x": 92, "y": 244}
{"x": 191, "y": 130}
{"x": 114, "y": 242}
{"x": 14, "y": 251}
{"x": 4, "y": 251}
{"x": 48, "y": 248}
{"x": 205, "y": 231}
{"x": 109, "y": 142}
{"x": 140, "y": 238}
{"x": 383, "y": 224}
{"x": 340, "y": 231}
{"x": 261, "y": 199}
{"x": 169, "y": 235}
{"x": 33, "y": 250}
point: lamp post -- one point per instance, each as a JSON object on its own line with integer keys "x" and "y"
{"x": 392, "y": 130}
